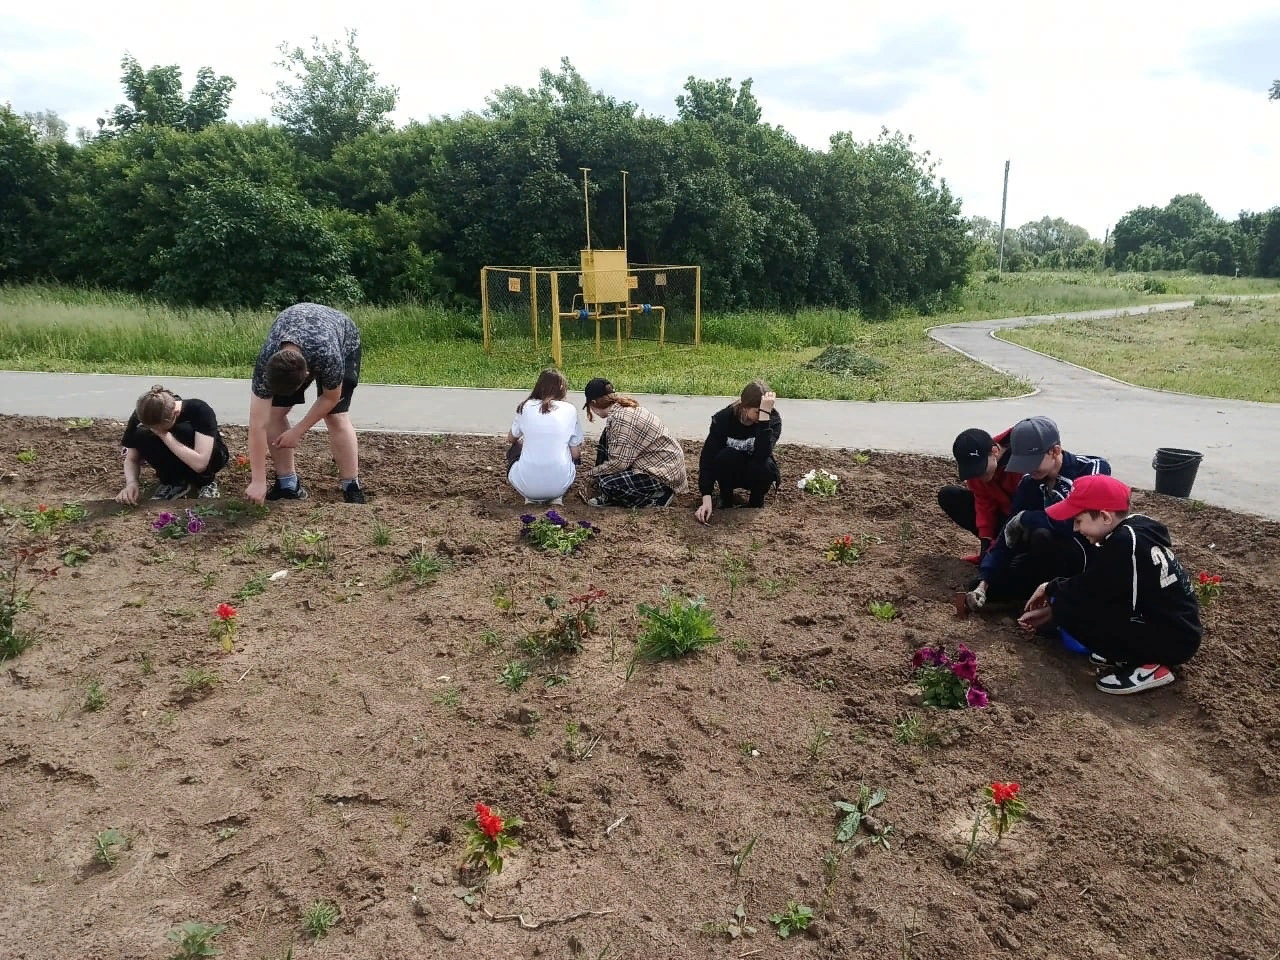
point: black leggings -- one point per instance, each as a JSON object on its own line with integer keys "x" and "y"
{"x": 957, "y": 503}
{"x": 1046, "y": 557}
{"x": 736, "y": 470}
{"x": 168, "y": 467}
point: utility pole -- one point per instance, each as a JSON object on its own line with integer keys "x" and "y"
{"x": 1004, "y": 203}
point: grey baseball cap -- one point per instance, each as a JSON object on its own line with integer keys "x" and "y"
{"x": 1029, "y": 441}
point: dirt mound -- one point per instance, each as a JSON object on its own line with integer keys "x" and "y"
{"x": 360, "y": 717}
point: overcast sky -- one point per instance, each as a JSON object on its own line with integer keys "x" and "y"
{"x": 1100, "y": 106}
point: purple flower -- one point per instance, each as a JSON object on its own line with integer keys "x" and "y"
{"x": 977, "y": 697}
{"x": 966, "y": 670}
{"x": 163, "y": 521}
{"x": 930, "y": 656}
{"x": 194, "y": 525}
{"x": 965, "y": 655}
{"x": 585, "y": 524}
{"x": 555, "y": 518}
{"x": 527, "y": 518}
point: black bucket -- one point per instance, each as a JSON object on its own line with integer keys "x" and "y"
{"x": 1176, "y": 470}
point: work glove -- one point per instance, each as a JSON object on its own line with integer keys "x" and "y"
{"x": 977, "y": 597}
{"x": 1015, "y": 533}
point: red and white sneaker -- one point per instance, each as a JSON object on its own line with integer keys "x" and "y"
{"x": 1127, "y": 680}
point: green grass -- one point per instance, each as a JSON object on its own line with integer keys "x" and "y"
{"x": 67, "y": 329}
{"x": 1226, "y": 349}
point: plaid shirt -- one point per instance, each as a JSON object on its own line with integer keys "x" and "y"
{"x": 638, "y": 441}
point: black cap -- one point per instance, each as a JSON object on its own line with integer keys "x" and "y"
{"x": 971, "y": 450}
{"x": 597, "y": 388}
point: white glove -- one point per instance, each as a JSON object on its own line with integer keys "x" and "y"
{"x": 1014, "y": 532}
{"x": 977, "y": 597}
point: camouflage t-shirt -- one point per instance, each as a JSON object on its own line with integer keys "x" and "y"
{"x": 329, "y": 342}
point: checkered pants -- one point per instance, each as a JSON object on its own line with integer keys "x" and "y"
{"x": 631, "y": 489}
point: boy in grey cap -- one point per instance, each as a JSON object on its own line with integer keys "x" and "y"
{"x": 1032, "y": 548}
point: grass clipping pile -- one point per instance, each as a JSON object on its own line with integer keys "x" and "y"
{"x": 303, "y": 766}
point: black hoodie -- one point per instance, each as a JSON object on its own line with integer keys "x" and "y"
{"x": 756, "y": 440}
{"x": 1133, "y": 575}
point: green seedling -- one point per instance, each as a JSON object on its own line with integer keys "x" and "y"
{"x": 107, "y": 846}
{"x": 27, "y": 456}
{"x": 319, "y": 918}
{"x": 195, "y": 940}
{"x": 513, "y": 675}
{"x": 379, "y": 534}
{"x": 796, "y": 916}
{"x": 95, "y": 698}
{"x": 883, "y": 611}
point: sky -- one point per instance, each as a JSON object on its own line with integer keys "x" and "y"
{"x": 1099, "y": 107}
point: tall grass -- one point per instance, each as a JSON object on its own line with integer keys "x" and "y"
{"x": 70, "y": 329}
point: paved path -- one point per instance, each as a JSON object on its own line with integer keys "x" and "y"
{"x": 1241, "y": 469}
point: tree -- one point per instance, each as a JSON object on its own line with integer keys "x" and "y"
{"x": 48, "y": 126}
{"x": 335, "y": 95}
{"x": 156, "y": 99}
{"x": 1161, "y": 234}
{"x": 1275, "y": 91}
{"x": 27, "y": 184}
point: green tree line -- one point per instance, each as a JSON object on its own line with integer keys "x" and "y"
{"x": 332, "y": 202}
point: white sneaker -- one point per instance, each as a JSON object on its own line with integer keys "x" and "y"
{"x": 210, "y": 491}
{"x": 596, "y": 502}
{"x": 1136, "y": 679}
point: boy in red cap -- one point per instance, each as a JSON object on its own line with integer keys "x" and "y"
{"x": 1133, "y": 606}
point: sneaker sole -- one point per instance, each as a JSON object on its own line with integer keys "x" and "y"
{"x": 1152, "y": 684}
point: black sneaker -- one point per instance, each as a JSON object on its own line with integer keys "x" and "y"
{"x": 353, "y": 493}
{"x": 170, "y": 491}
{"x": 665, "y": 499}
{"x": 278, "y": 492}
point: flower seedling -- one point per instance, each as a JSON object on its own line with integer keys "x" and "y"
{"x": 319, "y": 918}
{"x": 567, "y": 631}
{"x": 45, "y": 518}
{"x": 822, "y": 483}
{"x": 173, "y": 526}
{"x": 26, "y": 456}
{"x": 555, "y": 534}
{"x": 489, "y": 838}
{"x": 241, "y": 463}
{"x": 883, "y": 610}
{"x": 1005, "y": 806}
{"x": 224, "y": 626}
{"x": 795, "y": 917}
{"x": 107, "y": 846}
{"x": 947, "y": 683}
{"x": 195, "y": 940}
{"x": 75, "y": 556}
{"x": 844, "y": 550}
{"x": 1208, "y": 588}
{"x": 16, "y": 599}
{"x": 198, "y": 681}
{"x": 676, "y": 628}
{"x": 858, "y": 815}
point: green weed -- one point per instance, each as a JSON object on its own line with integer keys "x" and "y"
{"x": 195, "y": 940}
{"x": 107, "y": 845}
{"x": 319, "y": 918}
{"x": 675, "y": 628}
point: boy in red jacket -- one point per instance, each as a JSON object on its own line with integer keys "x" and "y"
{"x": 1133, "y": 605}
{"x": 982, "y": 505}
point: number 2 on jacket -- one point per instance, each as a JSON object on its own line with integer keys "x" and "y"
{"x": 1160, "y": 557}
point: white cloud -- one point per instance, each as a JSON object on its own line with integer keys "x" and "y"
{"x": 1099, "y": 106}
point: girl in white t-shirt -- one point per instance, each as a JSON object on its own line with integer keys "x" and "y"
{"x": 546, "y": 442}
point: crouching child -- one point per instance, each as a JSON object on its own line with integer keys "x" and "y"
{"x": 1133, "y": 607}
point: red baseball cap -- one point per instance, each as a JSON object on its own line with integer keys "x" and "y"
{"x": 1095, "y": 492}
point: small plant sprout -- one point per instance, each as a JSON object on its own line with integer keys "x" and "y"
{"x": 818, "y": 742}
{"x": 45, "y": 518}
{"x": 735, "y": 572}
{"x": 75, "y": 556}
{"x": 1004, "y": 806}
{"x": 857, "y": 815}
{"x": 913, "y": 730}
{"x": 26, "y": 456}
{"x": 488, "y": 839}
{"x": 195, "y": 940}
{"x": 676, "y": 628}
{"x": 513, "y": 675}
{"x": 107, "y": 846}
{"x": 79, "y": 423}
{"x": 740, "y": 858}
{"x": 567, "y": 631}
{"x": 255, "y": 586}
{"x": 796, "y": 916}
{"x": 224, "y": 626}
{"x": 1208, "y": 588}
{"x": 883, "y": 610}
{"x": 733, "y": 928}
{"x": 197, "y": 681}
{"x": 425, "y": 565}
{"x": 319, "y": 918}
{"x": 948, "y": 683}
{"x": 379, "y": 534}
{"x": 821, "y": 483}
{"x": 555, "y": 534}
{"x": 95, "y": 698}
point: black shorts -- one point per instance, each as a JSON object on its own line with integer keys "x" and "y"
{"x": 350, "y": 380}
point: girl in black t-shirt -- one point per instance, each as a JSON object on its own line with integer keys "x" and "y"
{"x": 180, "y": 439}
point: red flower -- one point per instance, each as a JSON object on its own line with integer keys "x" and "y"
{"x": 43, "y": 508}
{"x": 225, "y": 611}
{"x": 1002, "y": 793}
{"x": 490, "y": 823}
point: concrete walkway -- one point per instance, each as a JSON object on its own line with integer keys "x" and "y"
{"x": 1097, "y": 415}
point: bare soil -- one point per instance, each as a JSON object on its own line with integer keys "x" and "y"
{"x": 359, "y": 719}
